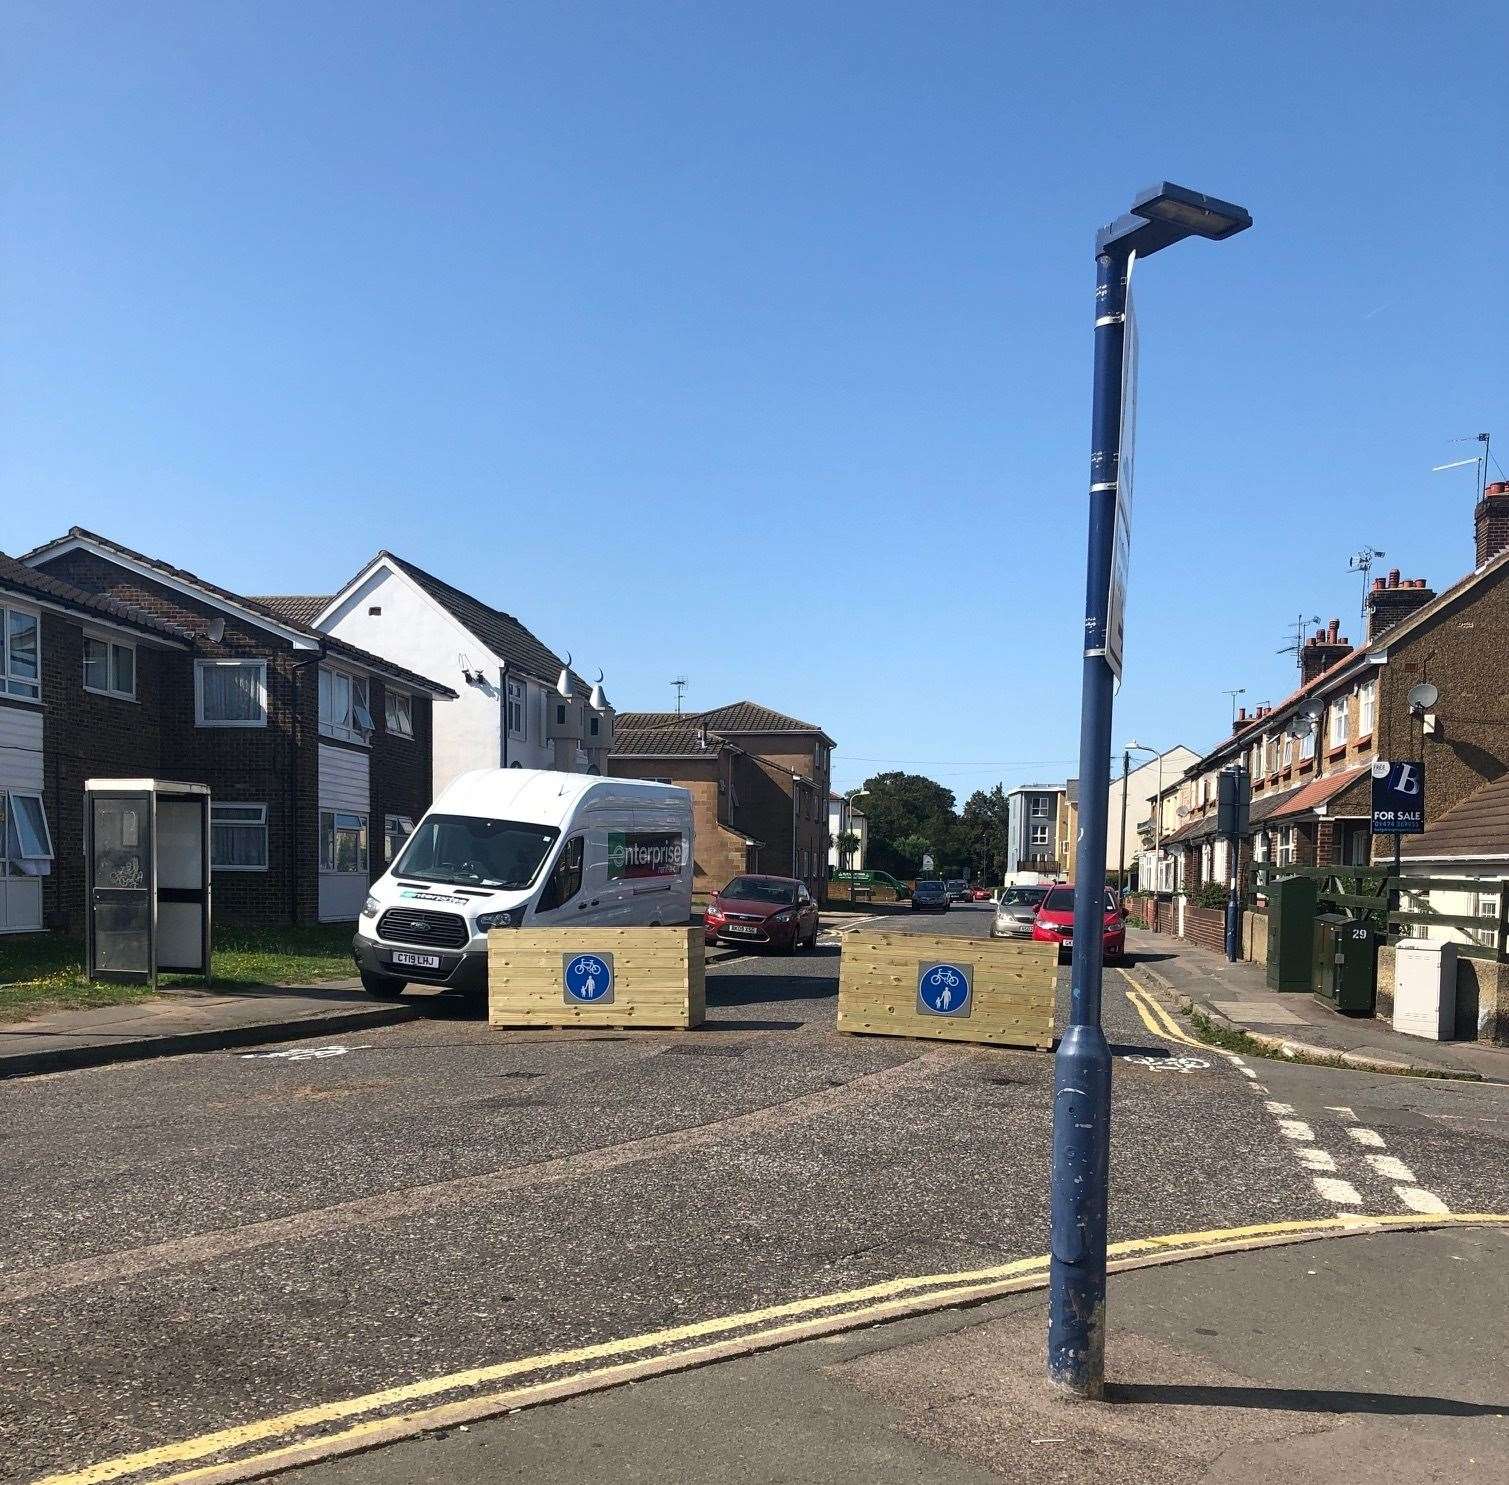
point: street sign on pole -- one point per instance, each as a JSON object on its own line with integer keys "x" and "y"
{"x": 1398, "y": 796}
{"x": 1121, "y": 540}
{"x": 927, "y": 863}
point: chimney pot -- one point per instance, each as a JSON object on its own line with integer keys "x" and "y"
{"x": 1377, "y": 585}
{"x": 1393, "y": 577}
{"x": 1333, "y": 629}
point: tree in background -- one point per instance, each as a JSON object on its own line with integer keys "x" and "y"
{"x": 847, "y": 842}
{"x": 982, "y": 826}
{"x": 909, "y": 815}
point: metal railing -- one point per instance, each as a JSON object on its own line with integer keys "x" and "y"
{"x": 1375, "y": 894}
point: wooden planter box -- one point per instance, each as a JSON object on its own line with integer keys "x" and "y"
{"x": 653, "y": 976}
{"x": 886, "y": 988}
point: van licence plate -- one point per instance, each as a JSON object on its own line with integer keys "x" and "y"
{"x": 417, "y": 961}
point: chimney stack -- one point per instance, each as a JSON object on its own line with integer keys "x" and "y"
{"x": 1392, "y": 600}
{"x": 1321, "y": 651}
{"x": 1491, "y": 521}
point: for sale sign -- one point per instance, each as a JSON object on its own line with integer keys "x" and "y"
{"x": 1398, "y": 796}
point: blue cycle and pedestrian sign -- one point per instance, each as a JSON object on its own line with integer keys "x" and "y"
{"x": 587, "y": 979}
{"x": 1398, "y": 796}
{"x": 944, "y": 989}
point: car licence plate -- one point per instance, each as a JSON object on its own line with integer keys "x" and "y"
{"x": 417, "y": 961}
{"x": 738, "y": 928}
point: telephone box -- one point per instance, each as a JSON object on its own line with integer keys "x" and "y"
{"x": 147, "y": 878}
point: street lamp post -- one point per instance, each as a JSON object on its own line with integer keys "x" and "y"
{"x": 1082, "y": 1069}
{"x": 1126, "y": 757}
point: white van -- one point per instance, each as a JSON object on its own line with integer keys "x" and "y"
{"x": 515, "y": 847}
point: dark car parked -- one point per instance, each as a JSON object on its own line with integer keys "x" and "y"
{"x": 777, "y": 912}
{"x": 930, "y": 897}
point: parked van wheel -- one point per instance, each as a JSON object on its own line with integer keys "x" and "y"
{"x": 380, "y": 987}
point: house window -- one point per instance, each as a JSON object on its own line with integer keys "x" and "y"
{"x": 1337, "y": 735}
{"x": 344, "y": 712}
{"x": 560, "y": 715}
{"x": 1307, "y": 743}
{"x": 398, "y": 711}
{"x": 230, "y": 693}
{"x": 1487, "y": 909}
{"x": 109, "y": 668}
{"x": 1367, "y": 704}
{"x": 238, "y": 837}
{"x": 343, "y": 842}
{"x": 1040, "y": 835}
{"x": 516, "y": 709}
{"x": 1286, "y": 846}
{"x": 25, "y": 841}
{"x": 20, "y": 652}
{"x": 594, "y": 726}
{"x": 1288, "y": 750}
{"x": 396, "y": 829}
{"x": 1040, "y": 806}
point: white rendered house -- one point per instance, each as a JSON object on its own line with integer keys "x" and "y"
{"x": 511, "y": 710}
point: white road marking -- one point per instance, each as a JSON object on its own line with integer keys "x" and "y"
{"x": 1392, "y": 1167}
{"x": 1247, "y": 1072}
{"x": 1337, "y": 1190}
{"x": 1369, "y": 1137}
{"x": 1421, "y": 1201}
{"x": 1258, "y": 1087}
{"x": 1275, "y": 1107}
{"x": 1340, "y": 1108}
{"x": 1316, "y": 1159}
{"x": 1296, "y": 1129}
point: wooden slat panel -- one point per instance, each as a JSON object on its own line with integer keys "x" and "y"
{"x": 657, "y": 976}
{"x": 1013, "y": 990}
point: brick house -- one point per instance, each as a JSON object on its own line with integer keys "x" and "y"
{"x": 317, "y": 754}
{"x": 777, "y": 783}
{"x": 510, "y": 712}
{"x": 1309, "y": 756}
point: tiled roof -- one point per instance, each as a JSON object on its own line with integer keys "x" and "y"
{"x": 503, "y": 634}
{"x": 1268, "y": 805}
{"x": 1317, "y": 792}
{"x": 299, "y": 608}
{"x": 253, "y": 605}
{"x": 1475, "y": 826}
{"x": 735, "y": 718}
{"x": 662, "y": 742}
{"x": 1193, "y": 830}
{"x": 18, "y": 577}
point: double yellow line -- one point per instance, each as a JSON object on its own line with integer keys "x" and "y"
{"x": 848, "y": 1310}
{"x": 1155, "y": 1018}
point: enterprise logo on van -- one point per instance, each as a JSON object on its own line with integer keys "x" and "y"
{"x": 432, "y": 897}
{"x": 642, "y": 853}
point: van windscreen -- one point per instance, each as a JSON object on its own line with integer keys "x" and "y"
{"x": 466, "y": 848}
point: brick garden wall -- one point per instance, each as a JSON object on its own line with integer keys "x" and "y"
{"x": 1205, "y": 927}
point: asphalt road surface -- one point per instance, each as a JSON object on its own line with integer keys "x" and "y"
{"x": 198, "y": 1243}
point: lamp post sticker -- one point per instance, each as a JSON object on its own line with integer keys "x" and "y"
{"x": 944, "y": 989}
{"x": 587, "y": 979}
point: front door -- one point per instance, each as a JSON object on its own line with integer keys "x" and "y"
{"x": 119, "y": 847}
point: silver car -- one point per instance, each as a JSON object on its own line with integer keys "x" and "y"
{"x": 1015, "y": 911}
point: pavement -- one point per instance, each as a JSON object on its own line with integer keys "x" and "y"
{"x": 1237, "y": 996}
{"x": 1334, "y": 1362}
{"x": 207, "y": 1258}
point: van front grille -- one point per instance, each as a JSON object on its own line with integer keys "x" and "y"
{"x": 420, "y": 926}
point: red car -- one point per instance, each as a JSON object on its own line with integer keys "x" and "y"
{"x": 1054, "y": 923}
{"x": 979, "y": 894}
{"x": 775, "y": 912}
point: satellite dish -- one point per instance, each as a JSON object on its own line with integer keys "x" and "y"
{"x": 1311, "y": 712}
{"x": 1422, "y": 697}
{"x": 1182, "y": 811}
{"x": 217, "y": 629}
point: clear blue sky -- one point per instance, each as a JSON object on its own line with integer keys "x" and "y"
{"x": 752, "y": 342}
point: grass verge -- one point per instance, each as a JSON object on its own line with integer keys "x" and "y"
{"x": 45, "y": 971}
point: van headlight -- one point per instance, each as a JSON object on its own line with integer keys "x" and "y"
{"x": 510, "y": 918}
{"x": 370, "y": 907}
